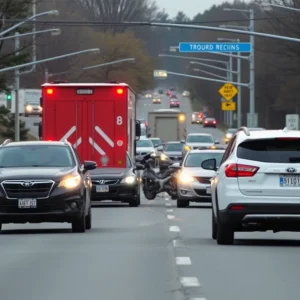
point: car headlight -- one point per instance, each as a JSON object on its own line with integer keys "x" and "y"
{"x": 29, "y": 108}
{"x": 228, "y": 135}
{"x": 129, "y": 179}
{"x": 163, "y": 157}
{"x": 71, "y": 182}
{"x": 187, "y": 148}
{"x": 186, "y": 178}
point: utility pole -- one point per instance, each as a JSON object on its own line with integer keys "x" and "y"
{"x": 17, "y": 88}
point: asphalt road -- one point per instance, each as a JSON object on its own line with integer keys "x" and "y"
{"x": 155, "y": 251}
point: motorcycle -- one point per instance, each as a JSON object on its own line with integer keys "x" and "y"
{"x": 163, "y": 181}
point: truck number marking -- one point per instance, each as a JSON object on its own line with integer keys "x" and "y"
{"x": 69, "y": 133}
{"x": 78, "y": 142}
{"x": 119, "y": 120}
{"x": 98, "y": 149}
{"x": 104, "y": 136}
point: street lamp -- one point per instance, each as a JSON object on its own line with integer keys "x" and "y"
{"x": 50, "y": 12}
{"x": 47, "y": 75}
{"x": 252, "y": 115}
{"x": 239, "y": 79}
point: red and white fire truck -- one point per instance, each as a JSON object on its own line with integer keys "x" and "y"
{"x": 100, "y": 121}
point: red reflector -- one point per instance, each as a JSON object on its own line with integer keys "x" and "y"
{"x": 288, "y": 139}
{"x": 237, "y": 207}
{"x": 120, "y": 91}
{"x": 237, "y": 170}
{"x": 49, "y": 91}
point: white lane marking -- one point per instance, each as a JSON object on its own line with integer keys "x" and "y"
{"x": 189, "y": 281}
{"x": 174, "y": 229}
{"x": 169, "y": 210}
{"x": 183, "y": 261}
{"x": 178, "y": 244}
{"x": 104, "y": 136}
{"x": 78, "y": 142}
{"x": 197, "y": 299}
{"x": 170, "y": 217}
{"x": 69, "y": 133}
{"x": 168, "y": 204}
{"x": 167, "y": 199}
{"x": 101, "y": 152}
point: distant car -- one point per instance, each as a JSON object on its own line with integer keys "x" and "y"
{"x": 33, "y": 109}
{"x": 186, "y": 94}
{"x": 144, "y": 146}
{"x": 173, "y": 96}
{"x": 173, "y": 150}
{"x": 156, "y": 141}
{"x": 160, "y": 91}
{"x": 148, "y": 95}
{"x": 210, "y": 122}
{"x": 197, "y": 118}
{"x": 156, "y": 100}
{"x": 228, "y": 135}
{"x": 174, "y": 103}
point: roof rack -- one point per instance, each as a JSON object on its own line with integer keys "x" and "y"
{"x": 245, "y": 130}
{"x": 7, "y": 141}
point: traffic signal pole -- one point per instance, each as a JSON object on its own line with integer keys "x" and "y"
{"x": 17, "y": 88}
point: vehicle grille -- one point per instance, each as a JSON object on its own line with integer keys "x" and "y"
{"x": 201, "y": 192}
{"x": 38, "y": 189}
{"x": 205, "y": 180}
{"x": 104, "y": 181}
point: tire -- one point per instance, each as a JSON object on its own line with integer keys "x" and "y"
{"x": 139, "y": 197}
{"x": 133, "y": 202}
{"x": 182, "y": 203}
{"x": 225, "y": 234}
{"x": 88, "y": 220}
{"x": 214, "y": 226}
{"x": 79, "y": 224}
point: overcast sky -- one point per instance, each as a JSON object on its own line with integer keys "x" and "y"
{"x": 189, "y": 7}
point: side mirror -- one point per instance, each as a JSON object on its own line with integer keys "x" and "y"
{"x": 89, "y": 165}
{"x": 149, "y": 135}
{"x": 182, "y": 141}
{"x": 138, "y": 167}
{"x": 137, "y": 128}
{"x": 160, "y": 148}
{"x": 209, "y": 164}
{"x": 217, "y": 142}
{"x": 176, "y": 165}
{"x": 40, "y": 130}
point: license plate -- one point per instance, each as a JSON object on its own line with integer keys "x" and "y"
{"x": 27, "y": 203}
{"x": 102, "y": 188}
{"x": 208, "y": 190}
{"x": 289, "y": 180}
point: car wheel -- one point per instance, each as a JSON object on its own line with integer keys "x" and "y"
{"x": 182, "y": 203}
{"x": 133, "y": 202}
{"x": 225, "y": 234}
{"x": 214, "y": 226}
{"x": 88, "y": 220}
{"x": 79, "y": 224}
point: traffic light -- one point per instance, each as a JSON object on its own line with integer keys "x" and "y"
{"x": 8, "y": 95}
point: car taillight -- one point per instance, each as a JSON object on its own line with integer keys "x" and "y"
{"x": 206, "y": 122}
{"x": 214, "y": 122}
{"x": 238, "y": 170}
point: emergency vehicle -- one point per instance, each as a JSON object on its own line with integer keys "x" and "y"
{"x": 98, "y": 119}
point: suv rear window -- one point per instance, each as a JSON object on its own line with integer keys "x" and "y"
{"x": 270, "y": 150}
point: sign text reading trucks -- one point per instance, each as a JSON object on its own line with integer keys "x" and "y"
{"x": 98, "y": 119}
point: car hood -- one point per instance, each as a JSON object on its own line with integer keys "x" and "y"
{"x": 200, "y": 144}
{"x": 199, "y": 172}
{"x": 110, "y": 172}
{"x": 173, "y": 153}
{"x": 144, "y": 149}
{"x": 34, "y": 173}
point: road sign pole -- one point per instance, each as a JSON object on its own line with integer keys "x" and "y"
{"x": 230, "y": 79}
{"x": 239, "y": 96}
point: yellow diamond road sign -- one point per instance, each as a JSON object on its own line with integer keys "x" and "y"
{"x": 228, "y": 91}
{"x": 228, "y": 106}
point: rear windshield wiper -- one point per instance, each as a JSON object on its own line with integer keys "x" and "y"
{"x": 294, "y": 159}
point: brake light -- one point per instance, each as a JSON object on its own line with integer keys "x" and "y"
{"x": 206, "y": 122}
{"x": 238, "y": 170}
{"x": 120, "y": 91}
{"x": 214, "y": 122}
{"x": 237, "y": 207}
{"x": 49, "y": 91}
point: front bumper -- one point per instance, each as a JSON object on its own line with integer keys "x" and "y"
{"x": 264, "y": 216}
{"x": 194, "y": 192}
{"x": 56, "y": 208}
{"x": 117, "y": 192}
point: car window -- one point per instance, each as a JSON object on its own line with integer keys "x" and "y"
{"x": 270, "y": 150}
{"x": 35, "y": 156}
{"x": 196, "y": 159}
{"x": 173, "y": 147}
{"x": 156, "y": 142}
{"x": 200, "y": 139}
{"x": 128, "y": 162}
{"x": 144, "y": 143}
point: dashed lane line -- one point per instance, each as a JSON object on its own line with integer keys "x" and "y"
{"x": 190, "y": 281}
{"x": 168, "y": 204}
{"x": 170, "y": 217}
{"x": 174, "y": 229}
{"x": 169, "y": 210}
{"x": 178, "y": 244}
{"x": 183, "y": 261}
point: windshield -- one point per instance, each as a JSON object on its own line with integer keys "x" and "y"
{"x": 200, "y": 139}
{"x": 144, "y": 143}
{"x": 156, "y": 142}
{"x": 36, "y": 156}
{"x": 173, "y": 147}
{"x": 195, "y": 159}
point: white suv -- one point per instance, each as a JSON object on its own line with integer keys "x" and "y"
{"x": 257, "y": 186}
